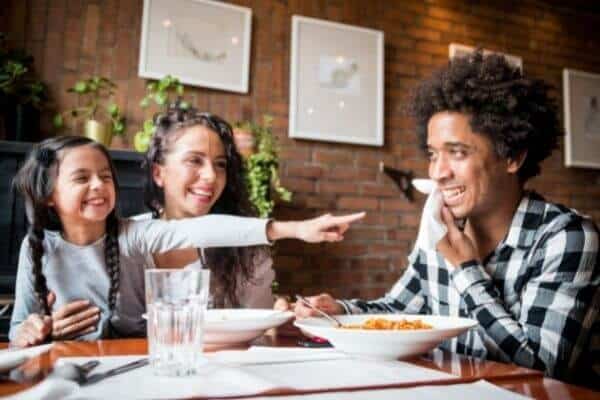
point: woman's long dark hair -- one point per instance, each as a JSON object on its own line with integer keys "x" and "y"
{"x": 230, "y": 267}
{"x": 36, "y": 181}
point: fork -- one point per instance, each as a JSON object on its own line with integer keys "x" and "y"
{"x": 330, "y": 318}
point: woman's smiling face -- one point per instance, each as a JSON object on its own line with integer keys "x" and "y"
{"x": 194, "y": 172}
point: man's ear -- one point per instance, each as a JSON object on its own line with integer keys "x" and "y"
{"x": 157, "y": 175}
{"x": 513, "y": 164}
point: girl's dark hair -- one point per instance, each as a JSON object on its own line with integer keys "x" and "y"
{"x": 517, "y": 114}
{"x": 36, "y": 181}
{"x": 229, "y": 267}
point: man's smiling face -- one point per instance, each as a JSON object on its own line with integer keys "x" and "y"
{"x": 465, "y": 166}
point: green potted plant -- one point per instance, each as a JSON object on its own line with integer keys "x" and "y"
{"x": 160, "y": 94}
{"x": 102, "y": 116}
{"x": 22, "y": 96}
{"x": 262, "y": 165}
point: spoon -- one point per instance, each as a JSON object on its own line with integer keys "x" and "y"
{"x": 331, "y": 319}
{"x": 74, "y": 372}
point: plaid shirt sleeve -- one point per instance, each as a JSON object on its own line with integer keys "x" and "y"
{"x": 406, "y": 295}
{"x": 559, "y": 303}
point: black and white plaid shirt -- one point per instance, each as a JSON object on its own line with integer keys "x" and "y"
{"x": 536, "y": 297}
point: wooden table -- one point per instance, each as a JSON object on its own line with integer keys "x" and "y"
{"x": 521, "y": 380}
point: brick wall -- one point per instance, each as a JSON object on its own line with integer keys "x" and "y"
{"x": 71, "y": 39}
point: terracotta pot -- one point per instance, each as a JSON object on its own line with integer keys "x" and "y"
{"x": 244, "y": 142}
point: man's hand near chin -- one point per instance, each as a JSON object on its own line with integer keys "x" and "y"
{"x": 456, "y": 246}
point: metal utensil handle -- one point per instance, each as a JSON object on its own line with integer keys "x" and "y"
{"x": 116, "y": 371}
{"x": 323, "y": 313}
{"x": 90, "y": 365}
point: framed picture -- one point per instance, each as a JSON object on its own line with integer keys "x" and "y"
{"x": 460, "y": 50}
{"x": 201, "y": 42}
{"x": 581, "y": 94}
{"x": 336, "y": 82}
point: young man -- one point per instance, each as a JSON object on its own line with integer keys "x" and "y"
{"x": 525, "y": 269}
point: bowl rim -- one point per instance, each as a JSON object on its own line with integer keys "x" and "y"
{"x": 326, "y": 327}
{"x": 272, "y": 319}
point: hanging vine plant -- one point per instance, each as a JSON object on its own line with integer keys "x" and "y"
{"x": 262, "y": 168}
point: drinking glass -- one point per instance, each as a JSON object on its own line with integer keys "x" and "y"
{"x": 176, "y": 304}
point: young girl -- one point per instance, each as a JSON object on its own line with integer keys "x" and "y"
{"x": 193, "y": 169}
{"x": 77, "y": 248}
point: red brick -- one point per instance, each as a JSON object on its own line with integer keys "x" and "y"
{"x": 37, "y": 24}
{"x": 357, "y": 203}
{"x": 304, "y": 171}
{"x": 333, "y": 157}
{"x": 298, "y": 184}
{"x": 296, "y": 153}
{"x": 337, "y": 187}
{"x": 436, "y": 24}
{"x": 396, "y": 205}
{"x": 433, "y": 48}
{"x": 388, "y": 190}
{"x": 353, "y": 174}
{"x": 365, "y": 235}
{"x": 123, "y": 53}
{"x": 91, "y": 31}
{"x": 425, "y": 34}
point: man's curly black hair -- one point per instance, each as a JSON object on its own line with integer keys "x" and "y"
{"x": 516, "y": 113}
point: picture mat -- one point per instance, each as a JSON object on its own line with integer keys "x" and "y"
{"x": 582, "y": 120}
{"x": 201, "y": 42}
{"x": 352, "y": 112}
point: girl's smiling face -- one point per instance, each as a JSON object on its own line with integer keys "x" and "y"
{"x": 84, "y": 190}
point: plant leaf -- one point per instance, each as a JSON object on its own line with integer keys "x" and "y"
{"x": 80, "y": 87}
{"x": 149, "y": 126}
{"x": 160, "y": 98}
{"x": 57, "y": 121}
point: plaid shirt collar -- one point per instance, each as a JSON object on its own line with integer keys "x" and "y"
{"x": 526, "y": 221}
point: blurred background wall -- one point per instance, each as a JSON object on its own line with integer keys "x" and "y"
{"x": 71, "y": 39}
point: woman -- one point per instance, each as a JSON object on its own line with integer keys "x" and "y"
{"x": 194, "y": 169}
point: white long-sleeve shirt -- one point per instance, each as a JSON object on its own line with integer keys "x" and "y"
{"x": 76, "y": 272}
{"x": 254, "y": 293}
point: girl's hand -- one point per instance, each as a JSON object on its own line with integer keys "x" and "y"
{"x": 34, "y": 330}
{"x": 325, "y": 228}
{"x": 73, "y": 319}
{"x": 456, "y": 246}
{"x": 287, "y": 329}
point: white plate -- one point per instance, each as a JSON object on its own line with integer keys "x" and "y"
{"x": 230, "y": 326}
{"x": 386, "y": 344}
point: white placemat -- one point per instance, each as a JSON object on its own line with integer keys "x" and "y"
{"x": 480, "y": 390}
{"x": 252, "y": 372}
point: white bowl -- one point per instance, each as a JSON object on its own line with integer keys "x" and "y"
{"x": 237, "y": 326}
{"x": 386, "y": 344}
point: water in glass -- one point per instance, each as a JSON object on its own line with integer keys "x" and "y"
{"x": 176, "y": 305}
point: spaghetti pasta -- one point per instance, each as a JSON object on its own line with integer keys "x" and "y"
{"x": 386, "y": 324}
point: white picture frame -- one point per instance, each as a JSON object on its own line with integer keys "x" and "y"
{"x": 460, "y": 50}
{"x": 581, "y": 96}
{"x": 336, "y": 82}
{"x": 202, "y": 42}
